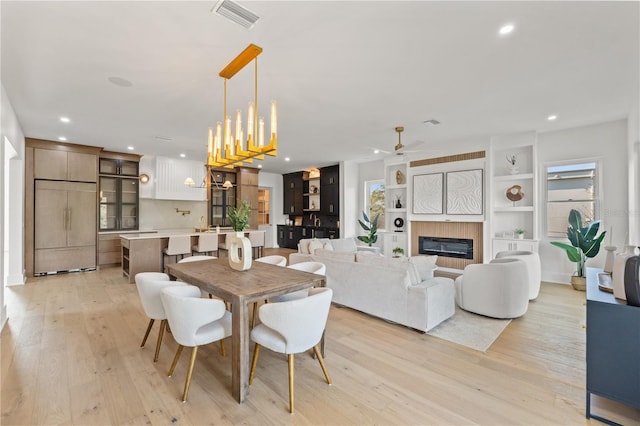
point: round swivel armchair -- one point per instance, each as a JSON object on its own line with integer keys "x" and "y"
{"x": 532, "y": 261}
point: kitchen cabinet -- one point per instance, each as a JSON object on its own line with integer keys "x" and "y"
{"x": 119, "y": 192}
{"x": 292, "y": 193}
{"x": 392, "y": 240}
{"x": 330, "y": 191}
{"x": 502, "y": 244}
{"x": 65, "y": 226}
{"x": 220, "y": 200}
{"x": 170, "y": 175}
{"x": 248, "y": 190}
{"x": 57, "y": 164}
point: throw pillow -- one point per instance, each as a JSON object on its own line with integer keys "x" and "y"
{"x": 327, "y": 246}
{"x": 303, "y": 246}
{"x": 424, "y": 265}
{"x": 345, "y": 245}
{"x": 314, "y": 245}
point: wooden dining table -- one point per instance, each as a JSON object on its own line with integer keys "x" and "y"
{"x": 241, "y": 288}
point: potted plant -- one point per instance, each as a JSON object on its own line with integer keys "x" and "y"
{"x": 398, "y": 252}
{"x": 584, "y": 244}
{"x": 371, "y": 227}
{"x": 239, "y": 246}
{"x": 520, "y": 233}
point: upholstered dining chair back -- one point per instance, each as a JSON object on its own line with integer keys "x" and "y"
{"x": 179, "y": 244}
{"x": 313, "y": 267}
{"x": 207, "y": 243}
{"x": 273, "y": 260}
{"x": 196, "y": 258}
{"x": 257, "y": 242}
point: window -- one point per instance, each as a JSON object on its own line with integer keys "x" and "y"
{"x": 374, "y": 200}
{"x": 570, "y": 186}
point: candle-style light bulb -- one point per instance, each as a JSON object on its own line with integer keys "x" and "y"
{"x": 218, "y": 138}
{"x": 261, "y": 132}
{"x": 250, "y": 122}
{"x": 210, "y": 142}
{"x": 238, "y": 138}
{"x": 228, "y": 146}
{"x": 274, "y": 119}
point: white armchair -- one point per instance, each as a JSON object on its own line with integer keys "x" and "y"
{"x": 532, "y": 260}
{"x": 499, "y": 289}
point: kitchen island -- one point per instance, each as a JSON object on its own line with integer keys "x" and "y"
{"x": 143, "y": 252}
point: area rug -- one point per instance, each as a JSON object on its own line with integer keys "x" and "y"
{"x": 471, "y": 330}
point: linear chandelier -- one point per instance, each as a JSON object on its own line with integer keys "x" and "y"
{"x": 228, "y": 150}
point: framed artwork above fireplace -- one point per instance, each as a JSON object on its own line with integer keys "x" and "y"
{"x": 428, "y": 192}
{"x": 464, "y": 192}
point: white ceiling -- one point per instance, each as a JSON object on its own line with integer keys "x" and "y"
{"x": 344, "y": 73}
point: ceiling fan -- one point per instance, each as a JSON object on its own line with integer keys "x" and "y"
{"x": 399, "y": 148}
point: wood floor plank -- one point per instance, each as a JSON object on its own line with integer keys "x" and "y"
{"x": 71, "y": 354}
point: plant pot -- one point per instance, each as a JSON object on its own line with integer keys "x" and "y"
{"x": 520, "y": 236}
{"x": 579, "y": 283}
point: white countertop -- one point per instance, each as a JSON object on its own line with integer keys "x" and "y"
{"x": 171, "y": 232}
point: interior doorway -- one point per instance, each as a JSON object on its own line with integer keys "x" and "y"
{"x": 264, "y": 215}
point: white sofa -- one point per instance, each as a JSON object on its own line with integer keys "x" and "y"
{"x": 403, "y": 290}
{"x": 307, "y": 246}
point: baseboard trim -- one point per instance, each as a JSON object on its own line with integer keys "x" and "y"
{"x": 16, "y": 279}
{"x": 3, "y": 317}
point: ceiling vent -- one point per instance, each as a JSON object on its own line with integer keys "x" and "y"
{"x": 236, "y": 13}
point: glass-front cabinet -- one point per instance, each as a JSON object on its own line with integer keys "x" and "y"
{"x": 118, "y": 195}
{"x": 221, "y": 199}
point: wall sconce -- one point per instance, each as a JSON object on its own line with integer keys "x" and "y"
{"x": 144, "y": 178}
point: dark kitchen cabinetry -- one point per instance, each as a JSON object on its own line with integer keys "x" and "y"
{"x": 118, "y": 192}
{"x": 330, "y": 191}
{"x": 292, "y": 197}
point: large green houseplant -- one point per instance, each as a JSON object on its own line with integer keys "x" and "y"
{"x": 371, "y": 226}
{"x": 585, "y": 243}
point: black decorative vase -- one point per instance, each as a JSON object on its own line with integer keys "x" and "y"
{"x": 398, "y": 204}
{"x": 631, "y": 281}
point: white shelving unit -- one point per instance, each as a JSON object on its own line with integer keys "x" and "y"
{"x": 395, "y": 190}
{"x": 505, "y": 215}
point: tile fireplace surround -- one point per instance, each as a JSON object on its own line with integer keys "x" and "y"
{"x": 470, "y": 230}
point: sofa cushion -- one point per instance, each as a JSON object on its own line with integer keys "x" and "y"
{"x": 391, "y": 263}
{"x": 314, "y": 245}
{"x": 345, "y": 245}
{"x": 424, "y": 266}
{"x": 335, "y": 255}
{"x": 303, "y": 246}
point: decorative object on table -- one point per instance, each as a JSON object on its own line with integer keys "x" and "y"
{"x": 399, "y": 177}
{"x": 631, "y": 281}
{"x": 239, "y": 246}
{"x": 398, "y": 222}
{"x": 398, "y": 252}
{"x": 398, "y": 203}
{"x": 228, "y": 149}
{"x": 428, "y": 193}
{"x": 313, "y": 189}
{"x": 371, "y": 226}
{"x": 617, "y": 274}
{"x": 585, "y": 243}
{"x": 514, "y": 194}
{"x": 604, "y": 282}
{"x": 520, "y": 233}
{"x": 464, "y": 192}
{"x": 513, "y": 168}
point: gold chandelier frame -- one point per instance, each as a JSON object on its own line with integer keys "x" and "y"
{"x": 230, "y": 153}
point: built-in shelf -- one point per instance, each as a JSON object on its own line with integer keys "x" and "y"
{"x": 396, "y": 210}
{"x": 513, "y": 209}
{"x": 396, "y": 186}
{"x": 513, "y": 177}
{"x": 311, "y": 210}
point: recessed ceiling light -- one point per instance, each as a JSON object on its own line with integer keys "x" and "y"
{"x": 552, "y": 117}
{"x": 62, "y": 138}
{"x": 119, "y": 81}
{"x": 182, "y": 155}
{"x": 432, "y": 122}
{"x": 506, "y": 29}
{"x": 376, "y": 151}
{"x": 163, "y": 138}
{"x": 65, "y": 119}
{"x": 130, "y": 148}
{"x": 287, "y": 159}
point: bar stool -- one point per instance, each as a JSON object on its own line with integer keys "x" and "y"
{"x": 179, "y": 245}
{"x": 257, "y": 243}
{"x": 207, "y": 243}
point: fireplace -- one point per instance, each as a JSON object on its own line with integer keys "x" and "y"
{"x": 460, "y": 248}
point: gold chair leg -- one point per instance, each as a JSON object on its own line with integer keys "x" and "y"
{"x": 163, "y": 325}
{"x": 290, "y": 361}
{"x": 175, "y": 360}
{"x": 222, "y": 351}
{"x": 256, "y": 352}
{"x": 187, "y": 383}
{"x": 144, "y": 340}
{"x": 321, "y": 361}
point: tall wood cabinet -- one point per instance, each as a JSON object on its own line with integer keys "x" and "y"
{"x": 60, "y": 206}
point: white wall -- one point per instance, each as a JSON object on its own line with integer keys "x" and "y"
{"x": 633, "y": 149}
{"x": 13, "y": 271}
{"x": 162, "y": 215}
{"x": 350, "y": 187}
{"x": 273, "y": 181}
{"x": 606, "y": 143}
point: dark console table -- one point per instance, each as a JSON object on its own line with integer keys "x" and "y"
{"x": 613, "y": 347}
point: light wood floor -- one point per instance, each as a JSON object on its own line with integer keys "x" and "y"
{"x": 71, "y": 355}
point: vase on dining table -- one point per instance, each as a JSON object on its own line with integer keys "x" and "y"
{"x": 239, "y": 251}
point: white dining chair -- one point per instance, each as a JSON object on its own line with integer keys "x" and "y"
{"x": 207, "y": 243}
{"x": 274, "y": 259}
{"x": 204, "y": 293}
{"x": 293, "y": 327}
{"x": 194, "y": 322}
{"x": 179, "y": 245}
{"x": 149, "y": 285}
{"x": 312, "y": 267}
{"x": 257, "y": 239}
